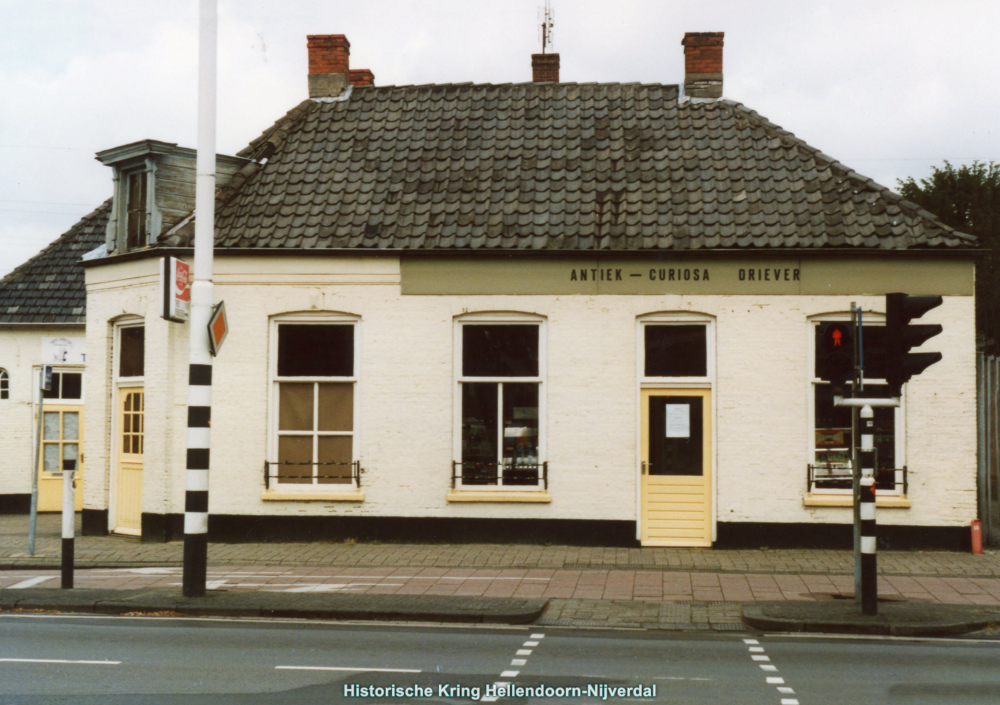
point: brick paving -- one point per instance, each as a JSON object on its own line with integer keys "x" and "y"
{"x": 799, "y": 564}
{"x": 664, "y": 588}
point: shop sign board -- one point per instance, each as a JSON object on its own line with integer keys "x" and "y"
{"x": 175, "y": 285}
{"x": 64, "y": 350}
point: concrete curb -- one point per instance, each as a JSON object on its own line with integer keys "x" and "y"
{"x": 405, "y": 608}
{"x": 922, "y": 619}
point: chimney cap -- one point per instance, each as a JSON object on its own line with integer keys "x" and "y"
{"x": 703, "y": 38}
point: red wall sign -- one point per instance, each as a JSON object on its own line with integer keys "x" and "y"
{"x": 175, "y": 285}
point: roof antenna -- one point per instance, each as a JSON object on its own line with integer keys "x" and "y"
{"x": 546, "y": 21}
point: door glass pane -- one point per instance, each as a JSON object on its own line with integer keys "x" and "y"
{"x": 315, "y": 350}
{"x": 479, "y": 433}
{"x": 500, "y": 351}
{"x": 72, "y": 385}
{"x": 676, "y": 445}
{"x": 676, "y": 351}
{"x": 336, "y": 407}
{"x": 520, "y": 433}
{"x": 51, "y": 457}
{"x": 53, "y": 391}
{"x": 51, "y": 426}
{"x": 334, "y": 449}
{"x": 295, "y": 449}
{"x": 295, "y": 406}
{"x": 69, "y": 456}
{"x": 71, "y": 426}
{"x": 133, "y": 351}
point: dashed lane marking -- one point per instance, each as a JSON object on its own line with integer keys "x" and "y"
{"x": 535, "y": 638}
{"x": 30, "y": 582}
{"x": 348, "y": 668}
{"x": 756, "y": 653}
{"x": 59, "y": 660}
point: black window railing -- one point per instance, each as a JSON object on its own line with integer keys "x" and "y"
{"x": 500, "y": 474}
{"x": 827, "y": 477}
{"x": 348, "y": 473}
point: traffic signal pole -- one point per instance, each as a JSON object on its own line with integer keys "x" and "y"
{"x": 202, "y": 302}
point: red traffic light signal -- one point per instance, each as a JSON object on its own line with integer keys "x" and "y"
{"x": 835, "y": 360}
{"x": 901, "y": 335}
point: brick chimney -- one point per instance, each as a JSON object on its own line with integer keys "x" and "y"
{"x": 703, "y": 64}
{"x": 545, "y": 68}
{"x": 330, "y": 66}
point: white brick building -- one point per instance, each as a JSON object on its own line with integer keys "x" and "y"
{"x": 550, "y": 312}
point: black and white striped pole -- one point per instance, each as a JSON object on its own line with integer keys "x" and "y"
{"x": 866, "y": 503}
{"x": 68, "y": 526}
{"x": 202, "y": 302}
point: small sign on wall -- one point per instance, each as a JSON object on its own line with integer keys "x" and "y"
{"x": 64, "y": 350}
{"x": 678, "y": 421}
{"x": 175, "y": 285}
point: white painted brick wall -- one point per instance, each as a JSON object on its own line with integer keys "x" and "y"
{"x": 405, "y": 428}
{"x": 20, "y": 351}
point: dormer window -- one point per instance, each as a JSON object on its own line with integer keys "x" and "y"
{"x": 154, "y": 190}
{"x": 135, "y": 210}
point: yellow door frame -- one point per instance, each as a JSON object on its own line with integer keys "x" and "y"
{"x": 676, "y": 510}
{"x": 50, "y": 497}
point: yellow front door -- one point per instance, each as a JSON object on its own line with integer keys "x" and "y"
{"x": 676, "y": 467}
{"x": 62, "y": 431}
{"x": 128, "y": 507}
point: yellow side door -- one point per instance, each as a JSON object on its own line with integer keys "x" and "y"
{"x": 676, "y": 467}
{"x": 128, "y": 507}
{"x": 62, "y": 434}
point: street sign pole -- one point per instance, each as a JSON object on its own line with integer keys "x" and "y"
{"x": 44, "y": 384}
{"x": 202, "y": 302}
{"x": 68, "y": 526}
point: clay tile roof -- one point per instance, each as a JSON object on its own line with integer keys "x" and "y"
{"x": 553, "y": 167}
{"x": 49, "y": 287}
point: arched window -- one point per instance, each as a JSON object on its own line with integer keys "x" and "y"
{"x": 4, "y": 384}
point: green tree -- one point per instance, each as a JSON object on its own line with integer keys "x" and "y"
{"x": 968, "y": 199}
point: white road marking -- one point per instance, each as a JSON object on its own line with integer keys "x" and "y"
{"x": 530, "y": 643}
{"x": 30, "y": 582}
{"x": 538, "y": 636}
{"x": 671, "y": 678}
{"x": 523, "y": 652}
{"x": 751, "y": 641}
{"x": 345, "y": 668}
{"x": 760, "y": 657}
{"x": 509, "y": 674}
{"x": 57, "y": 660}
{"x": 789, "y": 701}
{"x": 768, "y": 667}
{"x": 488, "y": 700}
{"x": 756, "y": 649}
{"x": 786, "y": 691}
{"x": 518, "y": 662}
{"x": 774, "y": 680}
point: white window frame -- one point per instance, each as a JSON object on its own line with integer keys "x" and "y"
{"x": 870, "y": 318}
{"x": 680, "y": 318}
{"x": 274, "y": 398}
{"x": 63, "y": 369}
{"x": 499, "y": 318}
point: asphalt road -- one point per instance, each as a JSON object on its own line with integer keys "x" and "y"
{"x": 118, "y": 660}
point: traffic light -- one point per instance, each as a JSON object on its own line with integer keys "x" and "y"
{"x": 835, "y": 361}
{"x": 900, "y": 336}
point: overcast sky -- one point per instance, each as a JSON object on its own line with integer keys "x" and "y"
{"x": 889, "y": 88}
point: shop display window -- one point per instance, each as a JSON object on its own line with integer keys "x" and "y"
{"x": 315, "y": 404}
{"x": 832, "y": 434}
{"x": 500, "y": 387}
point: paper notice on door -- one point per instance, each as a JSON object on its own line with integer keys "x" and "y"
{"x": 678, "y": 421}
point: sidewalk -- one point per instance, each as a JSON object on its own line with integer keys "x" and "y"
{"x": 576, "y": 586}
